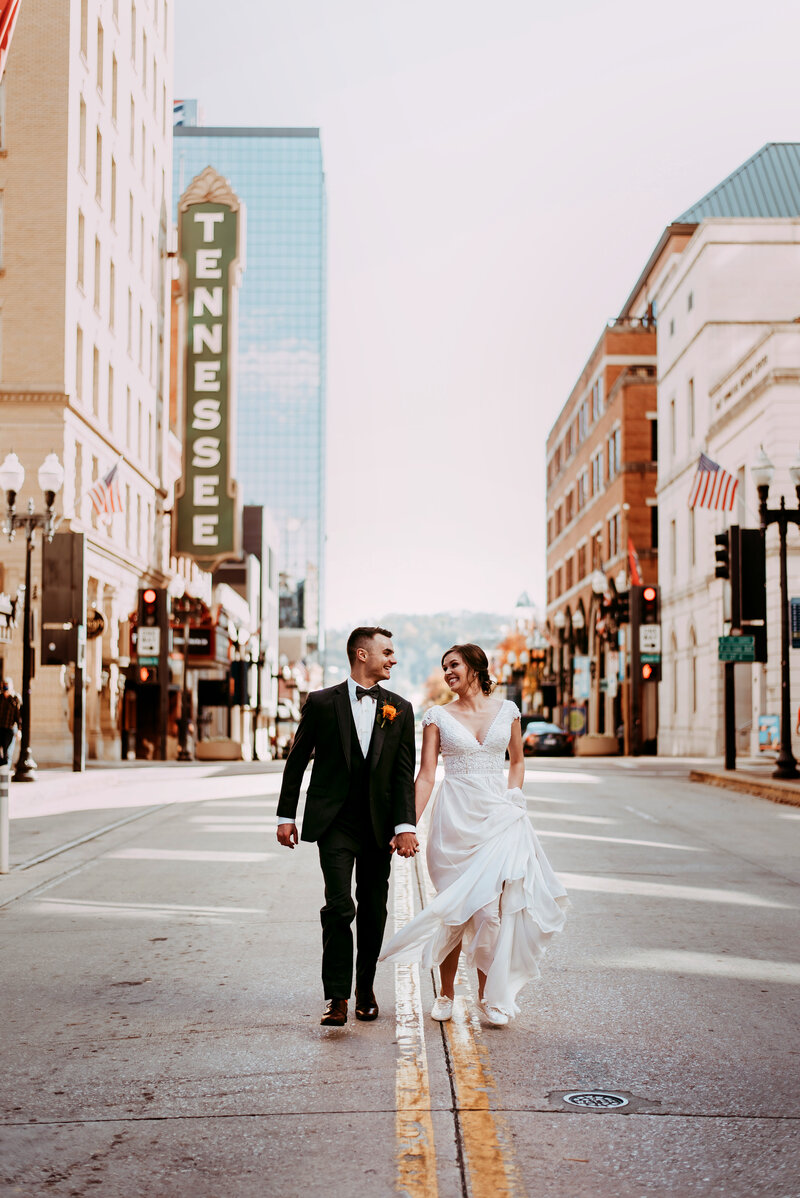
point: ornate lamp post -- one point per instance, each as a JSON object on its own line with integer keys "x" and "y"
{"x": 560, "y": 623}
{"x": 762, "y": 472}
{"x": 51, "y": 478}
{"x": 599, "y": 587}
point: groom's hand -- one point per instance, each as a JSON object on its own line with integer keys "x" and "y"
{"x": 405, "y": 844}
{"x": 287, "y": 835}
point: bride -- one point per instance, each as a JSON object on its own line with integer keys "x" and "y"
{"x": 497, "y": 897}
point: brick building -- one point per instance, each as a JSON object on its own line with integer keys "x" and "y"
{"x": 601, "y": 495}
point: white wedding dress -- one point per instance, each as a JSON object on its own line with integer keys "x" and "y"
{"x": 496, "y": 890}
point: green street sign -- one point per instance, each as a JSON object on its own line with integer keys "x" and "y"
{"x": 207, "y": 524}
{"x": 651, "y": 659}
{"x": 737, "y": 648}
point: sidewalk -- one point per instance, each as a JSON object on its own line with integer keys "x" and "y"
{"x": 753, "y": 775}
{"x": 62, "y": 809}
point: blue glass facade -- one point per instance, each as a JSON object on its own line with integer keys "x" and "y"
{"x": 282, "y": 317}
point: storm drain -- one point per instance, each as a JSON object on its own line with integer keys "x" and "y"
{"x": 595, "y": 1100}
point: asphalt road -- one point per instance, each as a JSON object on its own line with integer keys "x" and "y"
{"x": 161, "y": 1002}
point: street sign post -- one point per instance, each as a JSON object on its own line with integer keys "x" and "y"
{"x": 737, "y": 648}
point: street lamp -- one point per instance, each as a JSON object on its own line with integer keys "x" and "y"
{"x": 762, "y": 471}
{"x": 51, "y": 478}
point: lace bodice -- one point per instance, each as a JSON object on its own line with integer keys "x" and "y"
{"x": 463, "y": 753}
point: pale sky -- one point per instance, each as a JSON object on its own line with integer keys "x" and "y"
{"x": 497, "y": 176}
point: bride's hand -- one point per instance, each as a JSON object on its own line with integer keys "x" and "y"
{"x": 516, "y": 796}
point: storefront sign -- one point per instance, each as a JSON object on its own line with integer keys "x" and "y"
{"x": 207, "y": 524}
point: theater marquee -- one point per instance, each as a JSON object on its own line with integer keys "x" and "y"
{"x": 207, "y": 524}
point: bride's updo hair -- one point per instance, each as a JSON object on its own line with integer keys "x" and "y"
{"x": 476, "y": 660}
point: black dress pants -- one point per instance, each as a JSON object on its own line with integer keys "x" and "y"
{"x": 341, "y": 850}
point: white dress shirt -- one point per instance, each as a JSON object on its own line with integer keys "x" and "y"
{"x": 364, "y": 719}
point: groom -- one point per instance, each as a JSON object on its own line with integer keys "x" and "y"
{"x": 359, "y": 809}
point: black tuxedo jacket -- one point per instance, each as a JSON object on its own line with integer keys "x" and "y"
{"x": 325, "y": 730}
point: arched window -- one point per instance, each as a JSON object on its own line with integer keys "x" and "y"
{"x": 674, "y": 655}
{"x": 693, "y": 666}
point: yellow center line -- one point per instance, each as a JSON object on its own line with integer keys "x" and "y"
{"x": 487, "y": 1142}
{"x": 416, "y": 1153}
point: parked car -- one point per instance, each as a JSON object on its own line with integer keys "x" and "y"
{"x": 541, "y": 738}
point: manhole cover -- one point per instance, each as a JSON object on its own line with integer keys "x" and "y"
{"x": 595, "y": 1099}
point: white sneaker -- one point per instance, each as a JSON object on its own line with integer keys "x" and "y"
{"x": 493, "y": 1015}
{"x": 442, "y": 1009}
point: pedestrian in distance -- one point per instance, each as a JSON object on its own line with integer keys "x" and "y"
{"x": 359, "y": 810}
{"x": 10, "y": 709}
{"x": 497, "y": 897}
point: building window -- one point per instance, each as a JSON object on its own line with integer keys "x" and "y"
{"x": 690, "y": 301}
{"x": 100, "y": 57}
{"x": 82, "y": 137}
{"x": 673, "y": 548}
{"x": 112, "y": 294}
{"x": 85, "y": 28}
{"x": 653, "y": 440}
{"x": 97, "y": 274}
{"x": 672, "y": 328}
{"x": 613, "y": 526}
{"x": 614, "y": 454}
{"x": 558, "y": 520}
{"x": 144, "y": 62}
{"x": 582, "y": 481}
{"x": 597, "y": 473}
{"x": 133, "y": 35}
{"x": 114, "y": 88}
{"x": 79, "y": 363}
{"x": 96, "y": 381}
{"x": 692, "y": 534}
{"x": 690, "y": 407}
{"x": 597, "y": 399}
{"x": 98, "y": 169}
{"x": 673, "y": 431}
{"x": 581, "y": 559}
{"x": 568, "y": 581}
{"x": 674, "y": 648}
{"x": 155, "y": 88}
{"x": 81, "y": 243}
{"x": 654, "y": 526}
{"x": 568, "y": 505}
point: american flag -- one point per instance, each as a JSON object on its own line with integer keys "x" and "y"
{"x": 712, "y": 487}
{"x": 105, "y": 494}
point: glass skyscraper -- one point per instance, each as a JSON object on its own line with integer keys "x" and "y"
{"x": 280, "y": 451}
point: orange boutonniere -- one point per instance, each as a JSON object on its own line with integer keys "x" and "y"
{"x": 388, "y": 714}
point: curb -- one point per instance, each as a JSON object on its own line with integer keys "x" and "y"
{"x": 776, "y": 792}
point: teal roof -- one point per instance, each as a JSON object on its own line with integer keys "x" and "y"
{"x": 767, "y": 185}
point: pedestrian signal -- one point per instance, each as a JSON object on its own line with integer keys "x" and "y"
{"x": 722, "y": 556}
{"x": 647, "y": 673}
{"x": 148, "y": 675}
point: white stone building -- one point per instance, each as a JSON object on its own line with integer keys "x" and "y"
{"x": 728, "y": 382}
{"x": 85, "y": 178}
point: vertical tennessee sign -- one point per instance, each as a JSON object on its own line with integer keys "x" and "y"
{"x": 207, "y": 525}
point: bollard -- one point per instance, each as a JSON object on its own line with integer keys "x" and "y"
{"x": 5, "y": 778}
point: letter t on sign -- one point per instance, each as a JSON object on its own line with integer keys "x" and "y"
{"x": 208, "y": 220}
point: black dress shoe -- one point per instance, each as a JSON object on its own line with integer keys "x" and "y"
{"x": 335, "y": 1013}
{"x": 366, "y": 1006}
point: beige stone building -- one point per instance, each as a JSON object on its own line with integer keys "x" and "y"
{"x": 85, "y": 178}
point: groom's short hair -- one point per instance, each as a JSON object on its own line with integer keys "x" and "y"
{"x": 359, "y": 637}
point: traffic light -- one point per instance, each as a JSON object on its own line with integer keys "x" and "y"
{"x": 649, "y": 609}
{"x": 722, "y": 556}
{"x": 147, "y": 675}
{"x": 623, "y": 607}
{"x": 648, "y": 672}
{"x": 148, "y": 607}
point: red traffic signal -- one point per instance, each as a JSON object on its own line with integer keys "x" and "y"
{"x": 648, "y": 594}
{"x": 148, "y": 675}
{"x": 647, "y": 672}
{"x": 149, "y": 596}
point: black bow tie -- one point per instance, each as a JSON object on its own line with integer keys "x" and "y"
{"x": 371, "y": 692}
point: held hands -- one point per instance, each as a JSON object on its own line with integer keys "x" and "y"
{"x": 287, "y": 835}
{"x": 405, "y": 844}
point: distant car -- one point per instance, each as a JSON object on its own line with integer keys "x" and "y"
{"x": 543, "y": 739}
